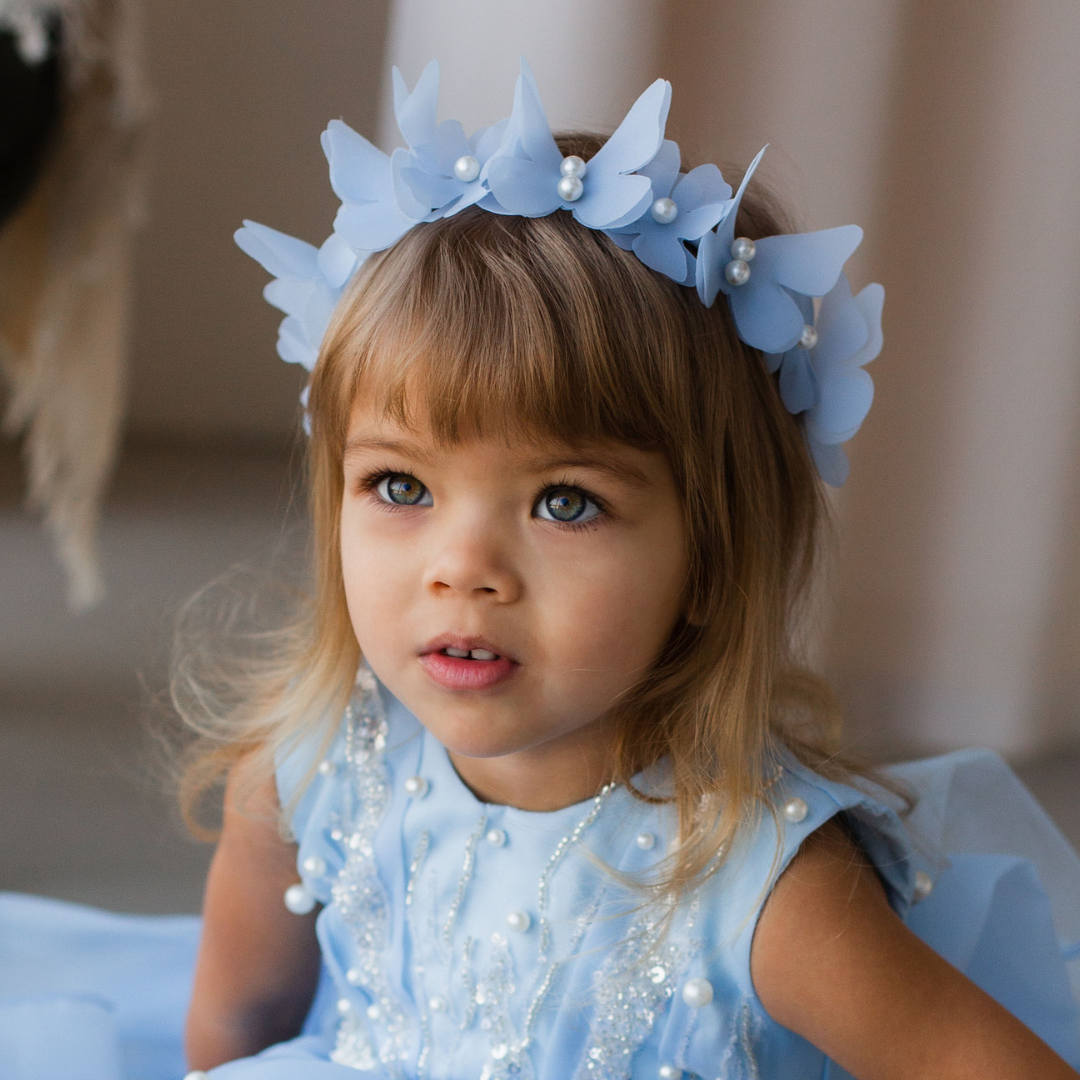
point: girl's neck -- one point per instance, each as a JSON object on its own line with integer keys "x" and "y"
{"x": 551, "y": 776}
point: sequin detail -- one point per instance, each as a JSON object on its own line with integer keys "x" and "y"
{"x": 360, "y": 897}
{"x": 631, "y": 988}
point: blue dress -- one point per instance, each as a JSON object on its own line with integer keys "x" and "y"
{"x": 464, "y": 941}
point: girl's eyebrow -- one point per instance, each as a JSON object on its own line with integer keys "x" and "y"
{"x": 614, "y": 466}
{"x": 359, "y": 443}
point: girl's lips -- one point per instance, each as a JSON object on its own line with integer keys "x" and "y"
{"x": 454, "y": 673}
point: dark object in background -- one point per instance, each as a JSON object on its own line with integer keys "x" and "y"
{"x": 30, "y": 96}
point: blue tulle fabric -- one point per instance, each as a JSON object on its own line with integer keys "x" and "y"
{"x": 86, "y": 995}
{"x": 680, "y": 224}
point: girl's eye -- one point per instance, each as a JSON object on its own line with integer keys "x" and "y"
{"x": 401, "y": 489}
{"x": 567, "y": 505}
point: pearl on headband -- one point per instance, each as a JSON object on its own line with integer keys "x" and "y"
{"x": 466, "y": 168}
{"x": 573, "y": 171}
{"x": 664, "y": 211}
{"x": 743, "y": 251}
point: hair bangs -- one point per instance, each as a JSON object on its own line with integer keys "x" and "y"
{"x": 483, "y": 325}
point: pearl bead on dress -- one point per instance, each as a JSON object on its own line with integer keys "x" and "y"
{"x": 327, "y": 768}
{"x": 466, "y": 168}
{"x": 924, "y": 885}
{"x": 664, "y": 211}
{"x": 198, "y": 1074}
{"x": 496, "y": 837}
{"x": 354, "y": 976}
{"x": 795, "y": 810}
{"x": 697, "y": 993}
{"x": 669, "y": 1072}
{"x": 299, "y": 899}
{"x": 416, "y": 787}
{"x": 571, "y": 188}
{"x": 646, "y": 841}
{"x": 315, "y": 866}
{"x": 518, "y": 921}
{"x": 437, "y": 1004}
{"x": 344, "y": 1005}
{"x": 808, "y": 337}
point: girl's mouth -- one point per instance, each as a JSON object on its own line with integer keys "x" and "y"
{"x": 455, "y": 668}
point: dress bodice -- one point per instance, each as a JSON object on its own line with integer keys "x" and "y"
{"x": 463, "y": 939}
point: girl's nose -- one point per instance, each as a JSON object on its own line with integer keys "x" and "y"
{"x": 473, "y": 562}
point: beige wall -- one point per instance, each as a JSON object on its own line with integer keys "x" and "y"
{"x": 243, "y": 90}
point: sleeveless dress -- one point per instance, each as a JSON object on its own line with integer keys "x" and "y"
{"x": 466, "y": 941}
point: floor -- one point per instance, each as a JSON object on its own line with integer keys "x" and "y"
{"x": 86, "y": 805}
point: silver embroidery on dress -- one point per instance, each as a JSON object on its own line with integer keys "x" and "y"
{"x": 360, "y": 897}
{"x": 739, "y": 1061}
{"x": 632, "y": 987}
{"x": 507, "y": 1058}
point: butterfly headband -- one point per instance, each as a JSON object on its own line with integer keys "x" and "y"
{"x": 787, "y": 294}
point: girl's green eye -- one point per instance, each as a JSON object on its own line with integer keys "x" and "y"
{"x": 566, "y": 504}
{"x": 401, "y": 489}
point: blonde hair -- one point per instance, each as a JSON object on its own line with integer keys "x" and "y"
{"x": 482, "y": 324}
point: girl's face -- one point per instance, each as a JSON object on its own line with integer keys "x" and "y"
{"x": 508, "y": 593}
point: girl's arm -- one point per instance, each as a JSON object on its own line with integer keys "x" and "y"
{"x": 831, "y": 961}
{"x": 258, "y": 964}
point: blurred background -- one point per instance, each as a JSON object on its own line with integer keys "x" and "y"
{"x": 949, "y": 131}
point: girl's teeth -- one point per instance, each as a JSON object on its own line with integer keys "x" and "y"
{"x": 474, "y": 654}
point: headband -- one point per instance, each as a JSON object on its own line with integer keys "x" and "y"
{"x": 787, "y": 294}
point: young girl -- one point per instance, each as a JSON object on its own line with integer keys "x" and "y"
{"x": 538, "y": 789}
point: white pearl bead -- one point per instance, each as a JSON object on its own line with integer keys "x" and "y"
{"x": 416, "y": 787}
{"x": 373, "y": 1012}
{"x": 496, "y": 837}
{"x": 795, "y": 810}
{"x": 697, "y": 993}
{"x": 646, "y": 841}
{"x": 518, "y": 921}
{"x": 466, "y": 168}
{"x": 664, "y": 211}
{"x": 344, "y": 1005}
{"x": 924, "y": 885}
{"x": 315, "y": 866}
{"x": 743, "y": 249}
{"x": 299, "y": 899}
{"x": 198, "y": 1074}
{"x": 669, "y": 1072}
{"x": 571, "y": 189}
{"x": 808, "y": 337}
{"x": 737, "y": 272}
{"x": 327, "y": 768}
{"x": 353, "y": 977}
{"x": 574, "y": 166}
{"x": 437, "y": 1003}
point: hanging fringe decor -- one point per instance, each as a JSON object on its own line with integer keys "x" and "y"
{"x": 70, "y": 198}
